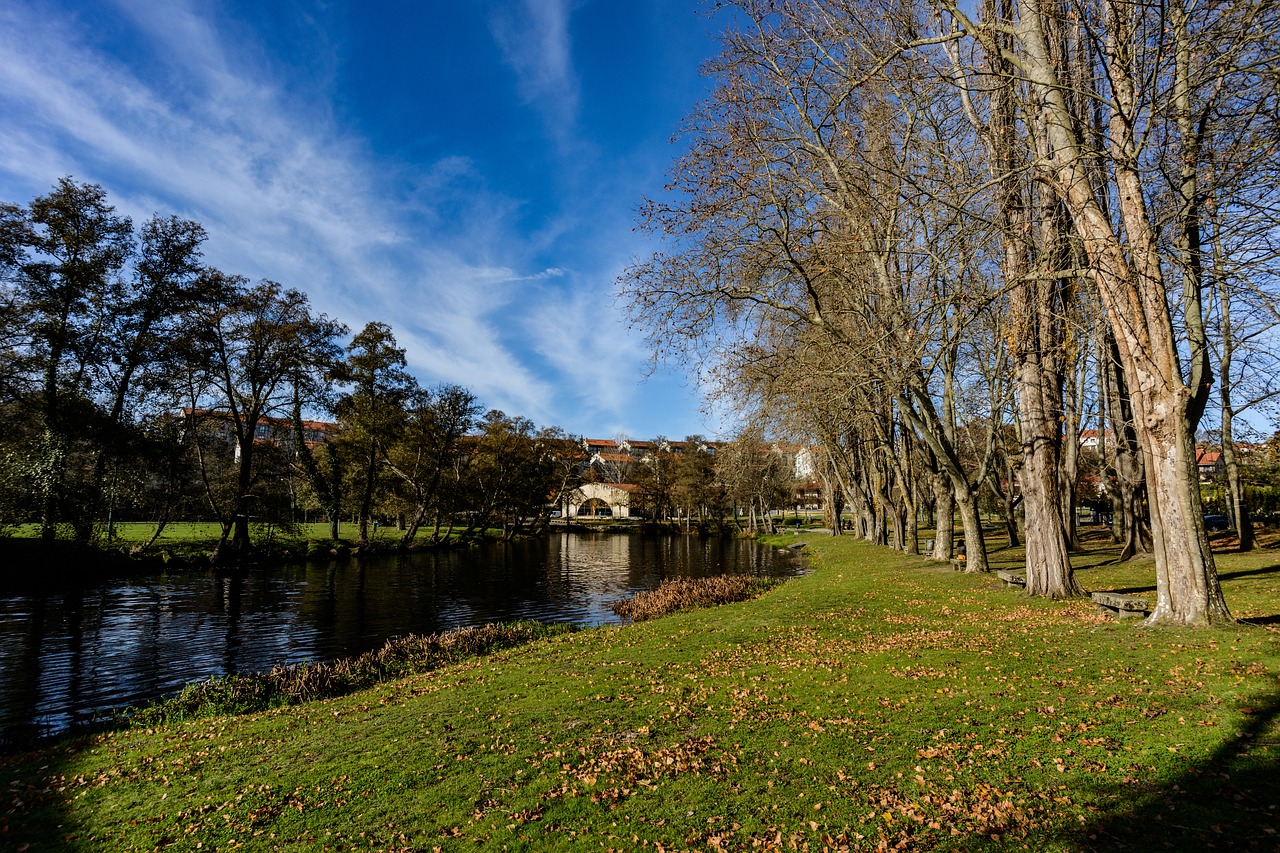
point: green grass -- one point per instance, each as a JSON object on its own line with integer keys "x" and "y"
{"x": 188, "y": 532}
{"x": 880, "y": 700}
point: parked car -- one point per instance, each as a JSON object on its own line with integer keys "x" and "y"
{"x": 1216, "y": 522}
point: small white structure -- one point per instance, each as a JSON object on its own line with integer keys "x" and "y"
{"x": 601, "y": 500}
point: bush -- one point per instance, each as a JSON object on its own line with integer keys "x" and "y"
{"x": 676, "y": 594}
{"x": 291, "y": 685}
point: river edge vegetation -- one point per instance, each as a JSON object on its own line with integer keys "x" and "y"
{"x": 400, "y": 657}
{"x": 880, "y": 702}
{"x": 139, "y": 384}
{"x": 188, "y": 545}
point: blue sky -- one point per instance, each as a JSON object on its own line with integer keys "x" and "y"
{"x": 467, "y": 171}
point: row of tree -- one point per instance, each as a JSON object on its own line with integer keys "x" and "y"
{"x": 901, "y": 227}
{"x": 139, "y": 383}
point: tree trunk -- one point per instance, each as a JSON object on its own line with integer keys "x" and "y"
{"x": 974, "y": 545}
{"x": 1131, "y": 282}
{"x": 911, "y": 517}
{"x": 945, "y": 515}
{"x": 1236, "y": 502}
{"x": 412, "y": 525}
{"x": 1069, "y": 464}
{"x": 244, "y": 481}
{"x": 1036, "y": 311}
{"x": 366, "y": 495}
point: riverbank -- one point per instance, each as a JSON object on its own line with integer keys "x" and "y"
{"x": 189, "y": 546}
{"x": 879, "y": 698}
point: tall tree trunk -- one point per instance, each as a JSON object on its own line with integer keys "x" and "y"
{"x": 1069, "y": 465}
{"x": 1126, "y": 457}
{"x": 1008, "y": 502}
{"x": 945, "y": 516}
{"x": 244, "y": 481}
{"x": 934, "y": 433}
{"x": 1037, "y": 318}
{"x": 1237, "y": 503}
{"x": 1131, "y": 282}
{"x": 974, "y": 545}
{"x": 366, "y": 495}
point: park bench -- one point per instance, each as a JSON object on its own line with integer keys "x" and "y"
{"x": 1121, "y": 606}
{"x": 957, "y": 565}
{"x": 1012, "y": 579}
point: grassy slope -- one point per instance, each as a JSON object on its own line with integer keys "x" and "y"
{"x": 878, "y": 699}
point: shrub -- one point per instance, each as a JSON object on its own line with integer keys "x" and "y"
{"x": 296, "y": 683}
{"x": 676, "y": 594}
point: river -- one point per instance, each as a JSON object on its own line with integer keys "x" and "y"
{"x": 70, "y": 656}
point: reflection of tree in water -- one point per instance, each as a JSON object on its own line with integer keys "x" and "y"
{"x": 231, "y": 588}
{"x": 131, "y": 642}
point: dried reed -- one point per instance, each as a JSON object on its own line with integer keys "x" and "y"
{"x": 296, "y": 683}
{"x": 676, "y": 594}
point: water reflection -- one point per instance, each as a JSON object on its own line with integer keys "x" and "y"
{"x": 68, "y": 656}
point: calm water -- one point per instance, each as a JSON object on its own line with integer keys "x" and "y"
{"x": 71, "y": 655}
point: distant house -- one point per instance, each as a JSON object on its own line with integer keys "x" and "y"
{"x": 1090, "y": 439}
{"x": 269, "y": 432}
{"x": 807, "y": 495}
{"x": 1209, "y": 463}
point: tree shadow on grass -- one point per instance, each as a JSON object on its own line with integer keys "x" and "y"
{"x": 1133, "y": 590}
{"x": 1222, "y": 576}
{"x": 33, "y": 813}
{"x": 1265, "y": 570}
{"x": 1229, "y": 802}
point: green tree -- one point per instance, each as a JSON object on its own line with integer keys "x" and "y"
{"x": 372, "y": 413}
{"x": 251, "y": 349}
{"x": 429, "y": 449}
{"x": 136, "y": 385}
{"x": 67, "y": 254}
{"x": 512, "y": 474}
{"x": 695, "y": 489}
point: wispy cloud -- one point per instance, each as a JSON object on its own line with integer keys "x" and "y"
{"x": 535, "y": 41}
{"x": 283, "y": 192}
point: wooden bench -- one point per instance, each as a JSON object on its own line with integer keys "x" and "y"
{"x": 1121, "y": 606}
{"x": 958, "y": 565}
{"x": 1012, "y": 579}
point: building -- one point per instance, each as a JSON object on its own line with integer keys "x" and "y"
{"x": 602, "y": 500}
{"x": 269, "y": 432}
{"x": 1210, "y": 464}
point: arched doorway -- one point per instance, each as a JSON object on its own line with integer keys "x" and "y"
{"x": 595, "y": 508}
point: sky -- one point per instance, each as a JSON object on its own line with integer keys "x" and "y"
{"x": 467, "y": 171}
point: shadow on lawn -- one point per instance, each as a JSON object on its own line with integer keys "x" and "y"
{"x": 1265, "y": 570}
{"x": 1222, "y": 576}
{"x": 1229, "y": 802}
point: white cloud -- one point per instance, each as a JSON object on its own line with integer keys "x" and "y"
{"x": 535, "y": 42}
{"x": 283, "y": 192}
{"x": 195, "y": 122}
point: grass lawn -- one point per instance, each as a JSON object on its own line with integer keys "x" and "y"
{"x": 199, "y": 532}
{"x": 879, "y": 701}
